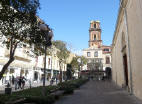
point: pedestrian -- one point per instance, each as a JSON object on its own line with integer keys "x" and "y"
{"x": 23, "y": 82}
{"x": 16, "y": 82}
{"x": 51, "y": 81}
{"x": 56, "y": 79}
{"x": 19, "y": 82}
{"x": 30, "y": 83}
{"x": 12, "y": 80}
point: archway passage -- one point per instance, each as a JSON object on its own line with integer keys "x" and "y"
{"x": 108, "y": 72}
{"x": 125, "y": 69}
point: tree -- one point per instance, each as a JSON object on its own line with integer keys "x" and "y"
{"x": 77, "y": 62}
{"x": 62, "y": 54}
{"x": 19, "y": 24}
{"x": 69, "y": 72}
{"x": 84, "y": 60}
{"x": 95, "y": 64}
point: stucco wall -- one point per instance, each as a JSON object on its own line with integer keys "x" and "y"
{"x": 132, "y": 22}
{"x": 117, "y": 61}
{"x": 134, "y": 16}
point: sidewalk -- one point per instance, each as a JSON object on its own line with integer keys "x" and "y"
{"x": 27, "y": 85}
{"x": 99, "y": 92}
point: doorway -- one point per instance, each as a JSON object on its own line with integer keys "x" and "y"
{"x": 125, "y": 69}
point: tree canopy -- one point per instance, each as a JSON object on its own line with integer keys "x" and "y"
{"x": 75, "y": 62}
{"x": 19, "y": 24}
{"x": 63, "y": 52}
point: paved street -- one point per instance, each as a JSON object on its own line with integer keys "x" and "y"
{"x": 99, "y": 92}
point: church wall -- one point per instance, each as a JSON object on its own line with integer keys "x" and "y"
{"x": 132, "y": 22}
{"x": 134, "y": 16}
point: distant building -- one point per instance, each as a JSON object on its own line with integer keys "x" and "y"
{"x": 99, "y": 55}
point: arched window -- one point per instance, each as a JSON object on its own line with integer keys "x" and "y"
{"x": 107, "y": 60}
{"x": 95, "y": 37}
{"x": 94, "y": 25}
{"x": 88, "y": 54}
{"x": 49, "y": 61}
{"x": 96, "y": 54}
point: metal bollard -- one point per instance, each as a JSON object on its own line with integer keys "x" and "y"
{"x": 8, "y": 89}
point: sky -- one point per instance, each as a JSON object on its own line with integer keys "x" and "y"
{"x": 70, "y": 20}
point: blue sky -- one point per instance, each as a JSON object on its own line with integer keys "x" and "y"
{"x": 70, "y": 19}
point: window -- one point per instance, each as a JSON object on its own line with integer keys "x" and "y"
{"x": 88, "y": 54}
{"x": 107, "y": 60}
{"x": 49, "y": 61}
{"x": 95, "y": 37}
{"x": 94, "y": 25}
{"x": 96, "y": 54}
{"x": 106, "y": 49}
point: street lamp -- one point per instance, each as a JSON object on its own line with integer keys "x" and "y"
{"x": 47, "y": 32}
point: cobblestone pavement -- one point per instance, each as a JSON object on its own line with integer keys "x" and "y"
{"x": 99, "y": 92}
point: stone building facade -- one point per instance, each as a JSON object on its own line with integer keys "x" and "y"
{"x": 99, "y": 55}
{"x": 27, "y": 64}
{"x": 126, "y": 47}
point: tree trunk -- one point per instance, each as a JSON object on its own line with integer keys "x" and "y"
{"x": 5, "y": 67}
{"x": 11, "y": 57}
{"x": 60, "y": 77}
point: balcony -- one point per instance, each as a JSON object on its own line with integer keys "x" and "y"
{"x": 21, "y": 54}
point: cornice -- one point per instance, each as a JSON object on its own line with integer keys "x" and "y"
{"x": 94, "y": 29}
{"x": 95, "y": 41}
{"x": 123, "y": 4}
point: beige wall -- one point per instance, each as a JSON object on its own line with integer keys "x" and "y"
{"x": 133, "y": 20}
{"x": 134, "y": 16}
{"x": 117, "y": 61}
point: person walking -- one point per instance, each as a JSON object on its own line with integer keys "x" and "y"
{"x": 13, "y": 80}
{"x": 56, "y": 79}
{"x": 16, "y": 83}
{"x": 19, "y": 82}
{"x": 23, "y": 82}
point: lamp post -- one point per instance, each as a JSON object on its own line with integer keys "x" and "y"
{"x": 48, "y": 36}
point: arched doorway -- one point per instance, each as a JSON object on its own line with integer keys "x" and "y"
{"x": 125, "y": 69}
{"x": 124, "y": 55}
{"x": 108, "y": 72}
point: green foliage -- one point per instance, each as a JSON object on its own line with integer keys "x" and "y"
{"x": 75, "y": 64}
{"x": 31, "y": 95}
{"x": 63, "y": 52}
{"x": 37, "y": 91}
{"x": 84, "y": 60}
{"x": 95, "y": 64}
{"x": 34, "y": 95}
{"x": 19, "y": 23}
{"x": 69, "y": 86}
{"x": 69, "y": 71}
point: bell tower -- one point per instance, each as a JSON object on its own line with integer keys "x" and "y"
{"x": 95, "y": 34}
